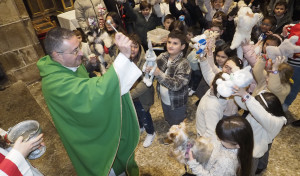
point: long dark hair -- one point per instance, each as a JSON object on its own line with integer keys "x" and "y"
{"x": 136, "y": 40}
{"x": 226, "y": 48}
{"x": 273, "y": 102}
{"x": 237, "y": 130}
{"x": 117, "y": 21}
{"x": 214, "y": 84}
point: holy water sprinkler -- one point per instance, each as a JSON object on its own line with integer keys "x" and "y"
{"x": 109, "y": 22}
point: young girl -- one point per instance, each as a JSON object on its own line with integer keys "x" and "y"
{"x": 14, "y": 162}
{"x": 232, "y": 153}
{"x": 266, "y": 118}
{"x": 142, "y": 96}
{"x": 275, "y": 79}
{"x": 252, "y": 52}
{"x": 210, "y": 110}
{"x": 213, "y": 6}
{"x": 266, "y": 28}
{"x": 173, "y": 75}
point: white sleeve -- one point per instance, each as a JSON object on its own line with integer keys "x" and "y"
{"x": 207, "y": 72}
{"x": 18, "y": 159}
{"x": 127, "y": 72}
{"x": 270, "y": 123}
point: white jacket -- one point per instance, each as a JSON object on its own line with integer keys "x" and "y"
{"x": 265, "y": 126}
{"x": 209, "y": 113}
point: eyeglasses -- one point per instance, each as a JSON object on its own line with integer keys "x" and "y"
{"x": 74, "y": 52}
{"x": 265, "y": 24}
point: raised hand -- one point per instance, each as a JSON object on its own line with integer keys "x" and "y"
{"x": 123, "y": 43}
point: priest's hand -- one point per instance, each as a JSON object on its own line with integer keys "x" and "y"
{"x": 123, "y": 43}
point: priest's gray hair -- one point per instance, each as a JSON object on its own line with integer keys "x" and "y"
{"x": 54, "y": 39}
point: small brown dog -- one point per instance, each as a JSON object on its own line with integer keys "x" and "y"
{"x": 201, "y": 147}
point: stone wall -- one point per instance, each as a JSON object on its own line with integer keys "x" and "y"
{"x": 19, "y": 46}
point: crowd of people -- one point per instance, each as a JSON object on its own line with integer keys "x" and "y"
{"x": 93, "y": 84}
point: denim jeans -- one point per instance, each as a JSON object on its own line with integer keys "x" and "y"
{"x": 294, "y": 88}
{"x": 195, "y": 79}
{"x": 145, "y": 119}
{"x": 175, "y": 116}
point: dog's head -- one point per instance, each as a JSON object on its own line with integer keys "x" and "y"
{"x": 177, "y": 133}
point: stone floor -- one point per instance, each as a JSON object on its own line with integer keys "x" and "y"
{"x": 284, "y": 156}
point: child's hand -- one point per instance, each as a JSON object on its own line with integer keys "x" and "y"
{"x": 239, "y": 91}
{"x": 279, "y": 60}
{"x": 25, "y": 147}
{"x": 269, "y": 33}
{"x": 191, "y": 155}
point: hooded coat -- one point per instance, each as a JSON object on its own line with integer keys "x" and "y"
{"x": 98, "y": 126}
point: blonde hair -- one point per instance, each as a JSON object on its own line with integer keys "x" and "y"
{"x": 285, "y": 73}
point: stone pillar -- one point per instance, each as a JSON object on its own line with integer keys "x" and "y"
{"x": 19, "y": 46}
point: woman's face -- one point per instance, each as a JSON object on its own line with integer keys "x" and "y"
{"x": 221, "y": 58}
{"x": 134, "y": 50}
{"x": 227, "y": 68}
{"x": 269, "y": 43}
{"x": 108, "y": 26}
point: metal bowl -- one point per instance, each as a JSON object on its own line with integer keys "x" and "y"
{"x": 28, "y": 129}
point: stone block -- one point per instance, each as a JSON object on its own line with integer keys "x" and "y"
{"x": 28, "y": 74}
{"x": 29, "y": 55}
{"x": 22, "y": 9}
{"x": 14, "y": 36}
{"x": 9, "y": 12}
{"x": 4, "y": 43}
{"x": 30, "y": 30}
{"x": 39, "y": 49}
{"x": 11, "y": 60}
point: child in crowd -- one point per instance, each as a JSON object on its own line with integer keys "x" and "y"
{"x": 232, "y": 153}
{"x": 168, "y": 20}
{"x": 91, "y": 61}
{"x": 216, "y": 62}
{"x": 178, "y": 26}
{"x": 210, "y": 110}
{"x": 183, "y": 14}
{"x": 192, "y": 57}
{"x": 13, "y": 162}
{"x": 173, "y": 75}
{"x": 144, "y": 21}
{"x": 275, "y": 79}
{"x": 217, "y": 26}
{"x": 265, "y": 29}
{"x": 142, "y": 96}
{"x": 85, "y": 48}
{"x": 253, "y": 52}
{"x": 281, "y": 16}
{"x": 266, "y": 118}
{"x": 213, "y": 6}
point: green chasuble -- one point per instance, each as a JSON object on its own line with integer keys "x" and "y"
{"x": 97, "y": 126}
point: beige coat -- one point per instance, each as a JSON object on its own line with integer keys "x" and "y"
{"x": 274, "y": 85}
{"x": 140, "y": 90}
